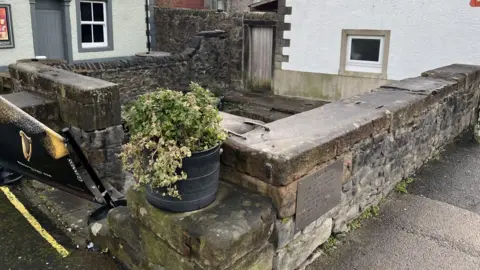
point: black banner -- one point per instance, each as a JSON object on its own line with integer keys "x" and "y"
{"x": 30, "y": 148}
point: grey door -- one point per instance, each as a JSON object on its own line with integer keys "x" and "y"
{"x": 49, "y": 38}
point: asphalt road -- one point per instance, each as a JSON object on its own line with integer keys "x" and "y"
{"x": 23, "y": 248}
{"x": 435, "y": 226}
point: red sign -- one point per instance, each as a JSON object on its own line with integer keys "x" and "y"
{"x": 3, "y": 24}
{"x": 6, "y": 33}
{"x": 475, "y": 3}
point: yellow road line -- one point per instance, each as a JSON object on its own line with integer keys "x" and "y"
{"x": 21, "y": 208}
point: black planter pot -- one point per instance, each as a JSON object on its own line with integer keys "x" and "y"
{"x": 198, "y": 190}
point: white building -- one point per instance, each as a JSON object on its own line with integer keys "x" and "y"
{"x": 73, "y": 30}
{"x": 337, "y": 49}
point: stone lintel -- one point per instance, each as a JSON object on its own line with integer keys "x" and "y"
{"x": 236, "y": 224}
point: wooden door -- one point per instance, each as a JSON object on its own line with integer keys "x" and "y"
{"x": 260, "y": 68}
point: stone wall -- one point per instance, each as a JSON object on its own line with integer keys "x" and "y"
{"x": 381, "y": 137}
{"x": 174, "y": 28}
{"x": 374, "y": 140}
{"x": 477, "y": 131}
{"x": 203, "y": 61}
{"x": 191, "y": 45}
{"x": 89, "y": 106}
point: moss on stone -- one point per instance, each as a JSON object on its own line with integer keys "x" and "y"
{"x": 159, "y": 252}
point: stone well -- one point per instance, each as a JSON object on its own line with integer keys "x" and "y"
{"x": 286, "y": 188}
{"x": 307, "y": 177}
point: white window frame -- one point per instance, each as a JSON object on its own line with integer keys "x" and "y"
{"x": 93, "y": 44}
{"x": 361, "y": 65}
{"x": 359, "y": 68}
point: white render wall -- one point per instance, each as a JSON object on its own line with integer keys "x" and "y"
{"x": 129, "y": 28}
{"x": 22, "y": 30}
{"x": 425, "y": 34}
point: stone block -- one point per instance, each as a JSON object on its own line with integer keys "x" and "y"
{"x": 284, "y": 198}
{"x": 43, "y": 109}
{"x": 466, "y": 75}
{"x": 237, "y": 223}
{"x": 103, "y": 238}
{"x": 123, "y": 226}
{"x": 260, "y": 259}
{"x": 96, "y": 157}
{"x": 304, "y": 243}
{"x": 477, "y": 131}
{"x": 91, "y": 116}
{"x": 423, "y": 85}
{"x": 158, "y": 251}
{"x": 284, "y": 231}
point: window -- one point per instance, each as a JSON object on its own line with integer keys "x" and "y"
{"x": 94, "y": 25}
{"x": 365, "y": 53}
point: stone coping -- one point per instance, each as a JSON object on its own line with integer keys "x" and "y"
{"x": 53, "y": 81}
{"x": 294, "y": 146}
{"x": 84, "y": 102}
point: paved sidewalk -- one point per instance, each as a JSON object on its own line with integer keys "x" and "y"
{"x": 436, "y": 226}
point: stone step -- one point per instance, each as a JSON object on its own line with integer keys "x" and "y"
{"x": 289, "y": 105}
{"x": 41, "y": 108}
{"x": 267, "y": 108}
{"x": 256, "y": 112}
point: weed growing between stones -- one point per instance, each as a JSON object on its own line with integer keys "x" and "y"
{"x": 333, "y": 240}
{"x": 285, "y": 220}
{"x": 330, "y": 245}
{"x": 476, "y": 131}
{"x": 402, "y": 186}
{"x": 370, "y": 212}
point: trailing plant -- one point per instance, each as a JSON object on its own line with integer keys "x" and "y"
{"x": 167, "y": 126}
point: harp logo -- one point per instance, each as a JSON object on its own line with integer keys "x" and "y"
{"x": 26, "y": 146}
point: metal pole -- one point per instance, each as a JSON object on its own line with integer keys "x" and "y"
{"x": 83, "y": 159}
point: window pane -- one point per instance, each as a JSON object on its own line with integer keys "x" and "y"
{"x": 86, "y": 33}
{"x": 365, "y": 49}
{"x": 98, "y": 12}
{"x": 85, "y": 11}
{"x": 98, "y": 33}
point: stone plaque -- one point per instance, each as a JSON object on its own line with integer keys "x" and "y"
{"x": 318, "y": 193}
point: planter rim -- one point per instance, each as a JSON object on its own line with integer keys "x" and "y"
{"x": 208, "y": 150}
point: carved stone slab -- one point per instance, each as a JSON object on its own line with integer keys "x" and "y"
{"x": 318, "y": 193}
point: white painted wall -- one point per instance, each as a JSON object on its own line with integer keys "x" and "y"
{"x": 128, "y": 30}
{"x": 425, "y": 34}
{"x": 22, "y": 30}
